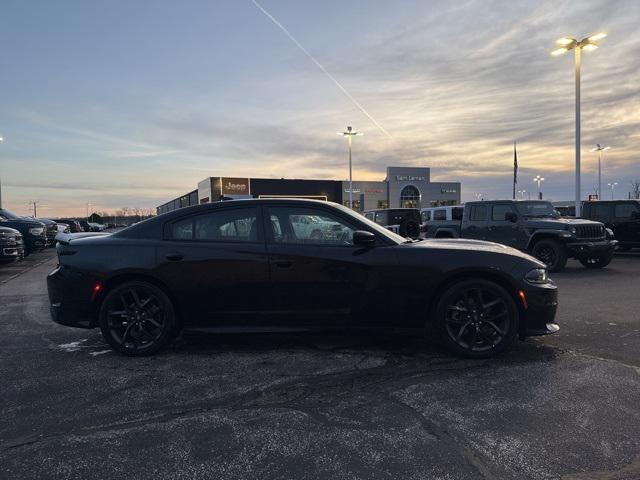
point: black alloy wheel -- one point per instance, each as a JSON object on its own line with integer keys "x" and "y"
{"x": 137, "y": 318}
{"x": 552, "y": 253}
{"x": 477, "y": 318}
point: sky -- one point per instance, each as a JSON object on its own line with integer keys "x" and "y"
{"x": 130, "y": 104}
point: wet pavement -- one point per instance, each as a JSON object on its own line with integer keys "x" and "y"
{"x": 324, "y": 406}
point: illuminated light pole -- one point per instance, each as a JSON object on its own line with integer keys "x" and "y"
{"x": 350, "y": 133}
{"x": 539, "y": 181}
{"x": 566, "y": 44}
{"x": 521, "y": 193}
{"x": 613, "y": 186}
{"x": 600, "y": 148}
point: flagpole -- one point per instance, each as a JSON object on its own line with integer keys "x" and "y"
{"x": 515, "y": 169}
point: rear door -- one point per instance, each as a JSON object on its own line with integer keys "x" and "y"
{"x": 216, "y": 264}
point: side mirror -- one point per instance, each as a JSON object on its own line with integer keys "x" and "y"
{"x": 511, "y": 217}
{"x": 363, "y": 238}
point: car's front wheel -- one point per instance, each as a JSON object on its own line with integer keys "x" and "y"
{"x": 552, "y": 252}
{"x": 477, "y": 318}
{"x": 137, "y": 318}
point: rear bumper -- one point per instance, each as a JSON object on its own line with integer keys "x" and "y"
{"x": 70, "y": 300}
{"x": 540, "y": 310}
{"x": 579, "y": 249}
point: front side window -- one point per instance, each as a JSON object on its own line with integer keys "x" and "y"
{"x": 224, "y": 225}
{"x": 499, "y": 212}
{"x": 306, "y": 226}
{"x": 478, "y": 213}
{"x": 625, "y": 210}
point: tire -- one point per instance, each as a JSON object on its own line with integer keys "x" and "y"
{"x": 137, "y": 319}
{"x": 409, "y": 228}
{"x": 477, "y": 307}
{"x": 551, "y": 252}
{"x": 600, "y": 261}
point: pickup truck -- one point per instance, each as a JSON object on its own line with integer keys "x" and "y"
{"x": 532, "y": 226}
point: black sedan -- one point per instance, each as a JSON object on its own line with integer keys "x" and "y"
{"x": 252, "y": 265}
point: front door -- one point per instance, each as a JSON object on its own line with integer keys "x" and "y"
{"x": 318, "y": 277}
{"x": 216, "y": 264}
{"x": 501, "y": 230}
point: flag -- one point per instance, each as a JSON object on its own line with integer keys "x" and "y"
{"x": 515, "y": 169}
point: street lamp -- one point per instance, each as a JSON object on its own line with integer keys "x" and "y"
{"x": 600, "y": 148}
{"x": 566, "y": 44}
{"x": 539, "y": 181}
{"x": 521, "y": 193}
{"x": 350, "y": 133}
{"x": 613, "y": 186}
{"x": 478, "y": 196}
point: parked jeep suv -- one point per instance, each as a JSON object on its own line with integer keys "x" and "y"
{"x": 621, "y": 216}
{"x": 403, "y": 221}
{"x": 534, "y": 227}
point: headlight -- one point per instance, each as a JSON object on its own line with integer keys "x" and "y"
{"x": 37, "y": 231}
{"x": 537, "y": 276}
{"x": 573, "y": 230}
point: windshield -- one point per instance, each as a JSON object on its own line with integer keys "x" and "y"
{"x": 374, "y": 226}
{"x": 536, "y": 209}
{"x": 9, "y": 215}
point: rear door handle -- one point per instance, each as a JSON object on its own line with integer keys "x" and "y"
{"x": 174, "y": 256}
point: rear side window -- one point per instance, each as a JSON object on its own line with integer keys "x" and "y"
{"x": 600, "y": 211}
{"x": 625, "y": 210}
{"x": 456, "y": 213}
{"x": 440, "y": 215}
{"x": 478, "y": 213}
{"x": 232, "y": 225}
{"x": 426, "y": 216}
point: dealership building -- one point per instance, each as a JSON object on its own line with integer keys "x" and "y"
{"x": 404, "y": 187}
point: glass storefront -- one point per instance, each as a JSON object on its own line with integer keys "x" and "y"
{"x": 410, "y": 197}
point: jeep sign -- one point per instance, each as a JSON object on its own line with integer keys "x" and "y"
{"x": 235, "y": 186}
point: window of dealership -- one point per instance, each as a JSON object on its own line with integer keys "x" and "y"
{"x": 403, "y": 187}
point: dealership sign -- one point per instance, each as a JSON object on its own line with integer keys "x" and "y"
{"x": 448, "y": 190}
{"x": 235, "y": 186}
{"x": 410, "y": 178}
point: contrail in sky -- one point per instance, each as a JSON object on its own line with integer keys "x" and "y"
{"x": 321, "y": 67}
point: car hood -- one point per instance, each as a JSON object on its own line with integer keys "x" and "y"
{"x": 21, "y": 223}
{"x": 472, "y": 246}
{"x": 67, "y": 238}
{"x": 558, "y": 223}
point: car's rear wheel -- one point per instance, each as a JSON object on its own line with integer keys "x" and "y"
{"x": 477, "y": 318}
{"x": 137, "y": 318}
{"x": 599, "y": 261}
{"x": 551, "y": 252}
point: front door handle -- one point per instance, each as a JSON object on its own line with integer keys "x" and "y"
{"x": 174, "y": 256}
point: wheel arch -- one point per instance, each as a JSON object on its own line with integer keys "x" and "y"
{"x": 120, "y": 278}
{"x": 544, "y": 235}
{"x": 494, "y": 276}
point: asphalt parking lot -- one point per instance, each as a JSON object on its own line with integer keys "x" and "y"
{"x": 324, "y": 406}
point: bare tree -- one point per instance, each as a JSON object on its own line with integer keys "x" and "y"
{"x": 635, "y": 188}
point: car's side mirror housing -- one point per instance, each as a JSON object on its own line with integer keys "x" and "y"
{"x": 362, "y": 238}
{"x": 511, "y": 217}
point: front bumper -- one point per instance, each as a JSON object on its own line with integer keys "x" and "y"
{"x": 539, "y": 310}
{"x": 11, "y": 250}
{"x": 36, "y": 243}
{"x": 580, "y": 248}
